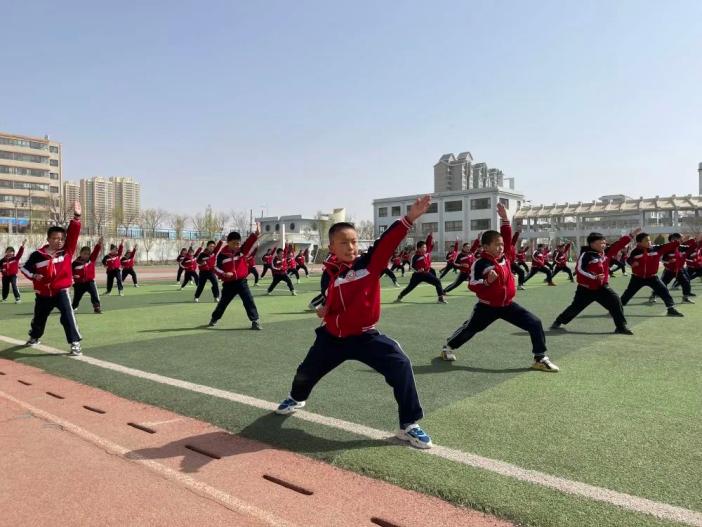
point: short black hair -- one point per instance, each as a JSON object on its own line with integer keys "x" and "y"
{"x": 675, "y": 236}
{"x": 540, "y": 246}
{"x": 594, "y": 237}
{"x": 183, "y": 249}
{"x": 55, "y": 228}
{"x": 340, "y": 226}
{"x": 233, "y": 236}
{"x": 84, "y": 248}
{"x": 10, "y": 248}
{"x": 278, "y": 250}
{"x": 112, "y": 247}
{"x": 465, "y": 245}
{"x": 640, "y": 236}
{"x": 211, "y": 242}
{"x": 489, "y": 236}
{"x": 421, "y": 244}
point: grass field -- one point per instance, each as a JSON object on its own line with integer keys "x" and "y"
{"x": 624, "y": 413}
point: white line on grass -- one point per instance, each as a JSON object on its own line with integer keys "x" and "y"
{"x": 626, "y": 501}
{"x": 203, "y": 489}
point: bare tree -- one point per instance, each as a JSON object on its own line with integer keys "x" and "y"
{"x": 240, "y": 221}
{"x": 178, "y": 222}
{"x": 101, "y": 221}
{"x": 365, "y": 230}
{"x": 150, "y": 221}
{"x": 60, "y": 213}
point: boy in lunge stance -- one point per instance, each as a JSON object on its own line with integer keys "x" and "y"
{"x": 279, "y": 268}
{"x": 348, "y": 331}
{"x": 644, "y": 262}
{"x": 9, "y": 267}
{"x": 206, "y": 263}
{"x": 233, "y": 268}
{"x": 592, "y": 271}
{"x": 84, "y": 277}
{"x": 421, "y": 263}
{"x": 113, "y": 262}
{"x": 49, "y": 269}
{"x": 127, "y": 262}
{"x": 493, "y": 282}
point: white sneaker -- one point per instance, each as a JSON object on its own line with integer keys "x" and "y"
{"x": 75, "y": 350}
{"x": 121, "y": 293}
{"x": 32, "y": 342}
{"x": 197, "y": 300}
{"x": 545, "y": 364}
{"x": 294, "y": 293}
{"x": 447, "y": 354}
{"x": 18, "y": 301}
{"x": 217, "y": 300}
{"x": 289, "y": 406}
{"x": 416, "y": 437}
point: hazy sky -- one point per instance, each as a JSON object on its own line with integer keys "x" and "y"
{"x": 307, "y": 105}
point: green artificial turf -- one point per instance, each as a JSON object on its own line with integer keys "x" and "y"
{"x": 624, "y": 413}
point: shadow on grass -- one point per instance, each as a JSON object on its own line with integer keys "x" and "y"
{"x": 438, "y": 365}
{"x": 14, "y": 353}
{"x": 173, "y": 330}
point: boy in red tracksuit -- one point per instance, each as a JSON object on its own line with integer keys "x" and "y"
{"x": 251, "y": 262}
{"x": 112, "y": 262}
{"x": 396, "y": 261}
{"x": 49, "y": 269}
{"x": 421, "y": 263}
{"x": 179, "y": 259}
{"x": 83, "y": 269}
{"x": 491, "y": 279}
{"x": 592, "y": 271}
{"x": 644, "y": 261}
{"x": 464, "y": 261}
{"x": 674, "y": 266}
{"x": 9, "y": 267}
{"x": 189, "y": 265}
{"x": 292, "y": 263}
{"x": 233, "y": 268}
{"x": 539, "y": 264}
{"x": 693, "y": 261}
{"x": 301, "y": 261}
{"x": 407, "y": 259}
{"x": 561, "y": 261}
{"x": 279, "y": 268}
{"x": 266, "y": 260}
{"x": 348, "y": 330}
{"x": 450, "y": 259}
{"x": 127, "y": 262}
{"x": 206, "y": 262}
{"x": 515, "y": 267}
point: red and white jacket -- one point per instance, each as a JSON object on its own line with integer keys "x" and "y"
{"x": 674, "y": 259}
{"x": 645, "y": 262}
{"x": 501, "y": 292}
{"x": 301, "y": 260}
{"x": 113, "y": 262}
{"x": 538, "y": 259}
{"x": 84, "y": 271}
{"x": 353, "y": 295}
{"x": 10, "y": 266}
{"x": 208, "y": 261}
{"x": 251, "y": 259}
{"x": 127, "y": 260}
{"x": 592, "y": 269}
{"x": 54, "y": 272}
{"x": 421, "y": 263}
{"x": 235, "y": 261}
{"x": 561, "y": 258}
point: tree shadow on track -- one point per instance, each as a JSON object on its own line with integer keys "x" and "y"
{"x": 438, "y": 365}
{"x": 13, "y": 353}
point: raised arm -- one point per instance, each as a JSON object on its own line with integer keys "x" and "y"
{"x": 506, "y": 231}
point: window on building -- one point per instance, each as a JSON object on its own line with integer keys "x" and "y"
{"x": 54, "y": 190}
{"x": 505, "y": 202}
{"x": 407, "y": 209}
{"x": 53, "y": 162}
{"x": 382, "y": 229}
{"x": 53, "y": 175}
{"x": 480, "y": 204}
{"x": 277, "y": 227}
{"x": 453, "y": 226}
{"x": 480, "y": 225}
{"x": 292, "y": 226}
{"x": 430, "y": 227}
{"x": 382, "y": 212}
{"x": 433, "y": 208}
{"x": 453, "y": 206}
{"x": 396, "y": 211}
{"x": 53, "y": 149}
{"x": 268, "y": 228}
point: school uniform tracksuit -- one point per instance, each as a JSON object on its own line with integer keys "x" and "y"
{"x": 84, "y": 280}
{"x": 421, "y": 263}
{"x": 51, "y": 288}
{"x": 206, "y": 263}
{"x": 9, "y": 267}
{"x": 348, "y": 331}
{"x": 128, "y": 267}
{"x": 232, "y": 268}
{"x": 112, "y": 263}
{"x": 644, "y": 265}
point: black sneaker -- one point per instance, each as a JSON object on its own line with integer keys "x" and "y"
{"x": 687, "y": 300}
{"x": 256, "y": 325}
{"x": 672, "y": 312}
{"x": 623, "y": 331}
{"x": 212, "y": 324}
{"x": 556, "y": 326}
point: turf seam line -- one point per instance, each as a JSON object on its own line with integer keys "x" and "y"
{"x": 199, "y": 487}
{"x": 629, "y": 502}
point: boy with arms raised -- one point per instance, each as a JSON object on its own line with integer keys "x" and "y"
{"x": 351, "y": 310}
{"x": 491, "y": 279}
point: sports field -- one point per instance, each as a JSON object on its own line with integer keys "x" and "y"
{"x": 624, "y": 413}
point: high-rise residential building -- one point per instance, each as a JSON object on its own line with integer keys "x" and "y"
{"x": 108, "y": 204}
{"x": 71, "y": 193}
{"x": 97, "y": 199}
{"x": 30, "y": 181}
{"x": 458, "y": 173}
{"x": 127, "y": 194}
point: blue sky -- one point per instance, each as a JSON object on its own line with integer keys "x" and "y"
{"x": 309, "y": 105}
